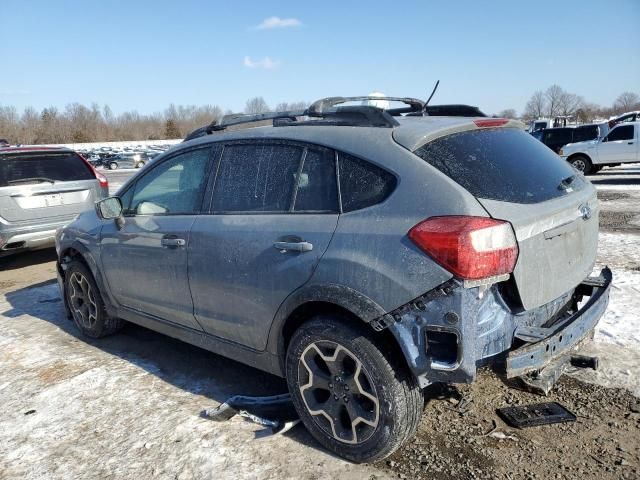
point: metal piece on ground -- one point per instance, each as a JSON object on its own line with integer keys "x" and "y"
{"x": 535, "y": 415}
{"x": 275, "y": 412}
{"x": 542, "y": 382}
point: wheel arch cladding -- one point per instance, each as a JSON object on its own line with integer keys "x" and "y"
{"x": 78, "y": 251}
{"x": 337, "y": 300}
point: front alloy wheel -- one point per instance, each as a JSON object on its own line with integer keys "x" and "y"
{"x": 82, "y": 301}
{"x": 338, "y": 392}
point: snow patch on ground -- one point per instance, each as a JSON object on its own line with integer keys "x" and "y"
{"x": 621, "y": 322}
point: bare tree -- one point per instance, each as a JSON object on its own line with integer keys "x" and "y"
{"x": 554, "y": 96}
{"x": 626, "y": 102}
{"x": 569, "y": 103}
{"x": 536, "y": 106}
{"x": 508, "y": 113}
{"x": 256, "y": 105}
{"x": 286, "y": 106}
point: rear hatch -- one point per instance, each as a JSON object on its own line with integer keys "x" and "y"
{"x": 39, "y": 185}
{"x": 553, "y": 210}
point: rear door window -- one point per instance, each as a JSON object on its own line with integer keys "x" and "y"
{"x": 503, "y": 164}
{"x": 557, "y": 137}
{"x": 256, "y": 178}
{"x": 317, "y": 189}
{"x": 585, "y": 133}
{"x": 34, "y": 168}
{"x": 363, "y": 184}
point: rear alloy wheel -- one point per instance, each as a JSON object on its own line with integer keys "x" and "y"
{"x": 85, "y": 303}
{"x": 338, "y": 393}
{"x": 355, "y": 398}
{"x": 582, "y": 164}
{"x": 113, "y": 166}
{"x": 140, "y": 164}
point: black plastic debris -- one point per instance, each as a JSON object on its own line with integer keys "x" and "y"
{"x": 534, "y": 415}
{"x": 275, "y": 412}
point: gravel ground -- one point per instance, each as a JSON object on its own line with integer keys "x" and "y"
{"x": 127, "y": 406}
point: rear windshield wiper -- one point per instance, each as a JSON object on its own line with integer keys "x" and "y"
{"x": 30, "y": 180}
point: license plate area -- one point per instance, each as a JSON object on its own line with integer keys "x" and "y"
{"x": 53, "y": 200}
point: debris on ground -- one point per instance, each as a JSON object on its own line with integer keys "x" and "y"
{"x": 275, "y": 412}
{"x": 535, "y": 415}
{"x": 603, "y": 443}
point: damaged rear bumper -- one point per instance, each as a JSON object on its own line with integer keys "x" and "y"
{"x": 561, "y": 338}
{"x": 449, "y": 333}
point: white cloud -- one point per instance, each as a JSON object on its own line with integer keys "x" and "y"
{"x": 265, "y": 63}
{"x": 277, "y": 22}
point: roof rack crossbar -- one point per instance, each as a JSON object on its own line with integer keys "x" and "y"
{"x": 325, "y": 104}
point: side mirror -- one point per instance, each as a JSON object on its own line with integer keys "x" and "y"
{"x": 109, "y": 208}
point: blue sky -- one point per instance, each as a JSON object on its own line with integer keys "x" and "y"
{"x": 143, "y": 55}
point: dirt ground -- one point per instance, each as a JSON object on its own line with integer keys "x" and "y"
{"x": 461, "y": 437}
{"x": 128, "y": 406}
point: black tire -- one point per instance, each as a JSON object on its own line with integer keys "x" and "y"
{"x": 382, "y": 392}
{"x": 85, "y": 303}
{"x": 113, "y": 166}
{"x": 582, "y": 164}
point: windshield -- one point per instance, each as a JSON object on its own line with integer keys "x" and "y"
{"x": 503, "y": 164}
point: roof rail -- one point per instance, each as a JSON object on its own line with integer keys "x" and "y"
{"x": 329, "y": 111}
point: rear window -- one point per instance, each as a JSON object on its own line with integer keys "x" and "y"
{"x": 33, "y": 168}
{"x": 501, "y": 164}
{"x": 586, "y": 133}
{"x": 562, "y": 136}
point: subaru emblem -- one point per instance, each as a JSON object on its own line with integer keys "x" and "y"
{"x": 585, "y": 212}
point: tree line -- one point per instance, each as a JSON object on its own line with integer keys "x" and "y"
{"x": 557, "y": 102}
{"x": 78, "y": 123}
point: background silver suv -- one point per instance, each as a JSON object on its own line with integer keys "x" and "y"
{"x": 41, "y": 189}
{"x": 361, "y": 253}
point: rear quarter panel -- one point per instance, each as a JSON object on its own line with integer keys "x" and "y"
{"x": 370, "y": 251}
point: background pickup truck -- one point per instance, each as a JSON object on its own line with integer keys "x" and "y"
{"x": 621, "y": 145}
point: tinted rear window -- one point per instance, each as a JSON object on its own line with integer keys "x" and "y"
{"x": 501, "y": 164}
{"x": 33, "y": 168}
{"x": 585, "y": 133}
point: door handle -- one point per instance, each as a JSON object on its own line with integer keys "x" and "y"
{"x": 629, "y": 143}
{"x": 293, "y": 246}
{"x": 173, "y": 242}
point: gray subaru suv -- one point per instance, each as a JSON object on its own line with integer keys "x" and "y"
{"x": 361, "y": 253}
{"x": 41, "y": 189}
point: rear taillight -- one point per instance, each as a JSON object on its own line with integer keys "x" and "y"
{"x": 100, "y": 177}
{"x": 469, "y": 247}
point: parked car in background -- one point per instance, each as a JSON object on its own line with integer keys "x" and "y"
{"x": 4, "y": 142}
{"x": 625, "y": 117}
{"x": 620, "y": 145}
{"x": 312, "y": 249}
{"x": 556, "y": 138}
{"x": 124, "y": 160}
{"x": 42, "y": 189}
